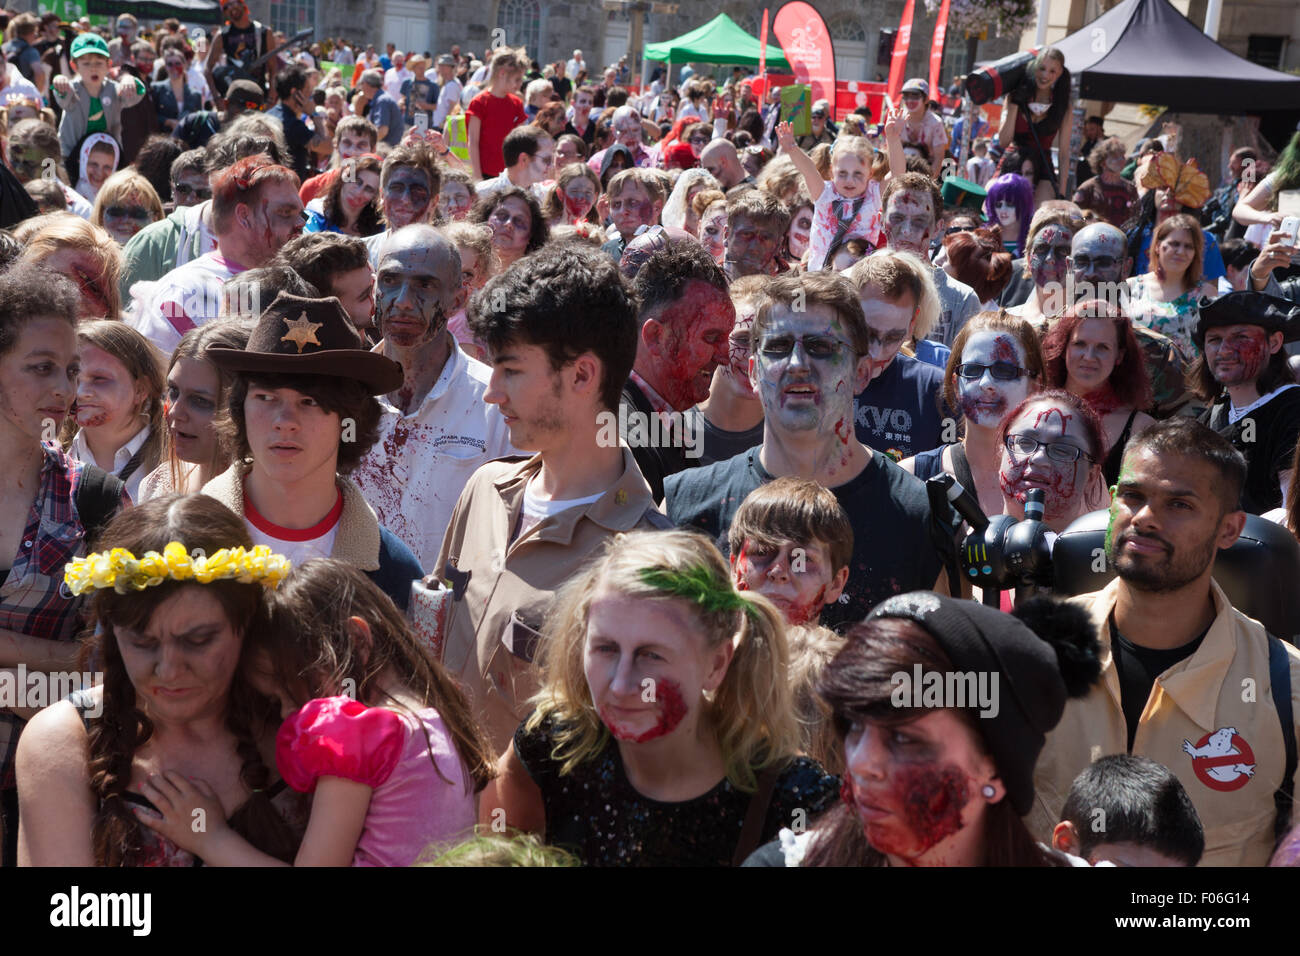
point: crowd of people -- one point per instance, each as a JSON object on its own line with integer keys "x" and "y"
{"x": 434, "y": 459}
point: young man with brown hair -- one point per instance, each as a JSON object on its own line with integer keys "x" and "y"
{"x": 302, "y": 407}
{"x": 812, "y": 354}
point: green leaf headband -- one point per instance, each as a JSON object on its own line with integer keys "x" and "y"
{"x": 698, "y": 585}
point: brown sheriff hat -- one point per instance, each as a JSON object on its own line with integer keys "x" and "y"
{"x": 297, "y": 336}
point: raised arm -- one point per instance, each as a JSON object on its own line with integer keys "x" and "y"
{"x": 802, "y": 161}
{"x": 1007, "y": 129}
{"x": 894, "y": 142}
{"x": 1253, "y": 209}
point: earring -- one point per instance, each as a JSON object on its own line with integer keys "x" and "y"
{"x": 988, "y": 791}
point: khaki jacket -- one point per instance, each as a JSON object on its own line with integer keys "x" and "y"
{"x": 1190, "y": 719}
{"x": 493, "y": 629}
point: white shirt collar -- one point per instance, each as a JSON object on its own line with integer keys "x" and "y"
{"x": 81, "y": 450}
{"x": 1237, "y": 414}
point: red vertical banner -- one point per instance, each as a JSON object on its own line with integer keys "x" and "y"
{"x": 762, "y": 45}
{"x": 898, "y": 62}
{"x": 936, "y": 50}
{"x": 807, "y": 45}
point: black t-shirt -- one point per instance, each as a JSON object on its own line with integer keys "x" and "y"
{"x": 1137, "y": 669}
{"x": 297, "y": 134}
{"x": 898, "y": 412}
{"x": 595, "y": 812}
{"x": 888, "y": 510}
{"x": 1267, "y": 437}
{"x": 659, "y": 451}
{"x": 242, "y": 47}
{"x": 562, "y": 85}
{"x": 720, "y": 444}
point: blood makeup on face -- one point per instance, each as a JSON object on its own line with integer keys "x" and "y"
{"x": 931, "y": 800}
{"x": 693, "y": 343}
{"x": 1236, "y": 354}
{"x": 671, "y": 707}
{"x": 738, "y": 348}
{"x": 1058, "y": 479}
{"x": 812, "y": 394}
{"x": 577, "y": 203}
{"x": 984, "y": 401}
{"x": 1049, "y": 255}
{"x": 414, "y": 279}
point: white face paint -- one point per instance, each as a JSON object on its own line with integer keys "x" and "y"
{"x": 1006, "y": 212}
{"x": 985, "y": 400}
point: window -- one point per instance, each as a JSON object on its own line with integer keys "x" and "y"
{"x": 849, "y": 38}
{"x": 1265, "y": 50}
{"x": 290, "y": 16}
{"x": 522, "y": 21}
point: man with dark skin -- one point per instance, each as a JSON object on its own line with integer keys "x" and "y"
{"x": 436, "y": 430}
{"x": 756, "y": 223}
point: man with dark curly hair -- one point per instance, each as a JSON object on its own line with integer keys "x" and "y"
{"x": 302, "y": 407}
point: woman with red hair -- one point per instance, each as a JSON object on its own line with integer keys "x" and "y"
{"x": 1092, "y": 352}
{"x": 976, "y": 257}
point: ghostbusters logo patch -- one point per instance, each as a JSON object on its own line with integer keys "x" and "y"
{"x": 1223, "y": 761}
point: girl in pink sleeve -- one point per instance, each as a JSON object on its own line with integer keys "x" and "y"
{"x": 374, "y": 729}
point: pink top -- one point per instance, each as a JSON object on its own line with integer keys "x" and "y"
{"x": 458, "y": 324}
{"x": 412, "y": 806}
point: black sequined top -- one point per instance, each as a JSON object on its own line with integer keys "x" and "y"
{"x": 595, "y": 813}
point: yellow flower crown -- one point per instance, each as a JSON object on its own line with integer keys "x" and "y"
{"x": 122, "y": 571}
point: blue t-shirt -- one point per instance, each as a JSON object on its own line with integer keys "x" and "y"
{"x": 898, "y": 413}
{"x": 384, "y": 111}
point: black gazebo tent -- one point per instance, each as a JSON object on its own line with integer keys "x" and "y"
{"x": 1145, "y": 51}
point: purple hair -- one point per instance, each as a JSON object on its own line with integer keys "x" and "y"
{"x": 1017, "y": 189}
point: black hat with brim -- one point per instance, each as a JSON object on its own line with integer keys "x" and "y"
{"x": 1248, "y": 308}
{"x": 298, "y": 336}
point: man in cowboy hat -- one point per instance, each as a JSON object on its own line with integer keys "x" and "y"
{"x": 302, "y": 407}
{"x": 1244, "y": 372}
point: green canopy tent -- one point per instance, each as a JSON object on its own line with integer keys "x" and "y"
{"x": 720, "y": 40}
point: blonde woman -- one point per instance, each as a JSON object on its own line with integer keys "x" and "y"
{"x": 664, "y": 732}
{"x": 125, "y": 204}
{"x": 69, "y": 245}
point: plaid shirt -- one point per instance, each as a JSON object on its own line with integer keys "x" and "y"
{"x": 33, "y": 598}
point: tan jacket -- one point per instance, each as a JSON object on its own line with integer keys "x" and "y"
{"x": 492, "y": 631}
{"x": 357, "y": 540}
{"x": 1188, "y": 725}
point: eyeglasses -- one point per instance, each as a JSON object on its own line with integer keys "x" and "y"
{"x": 198, "y": 192}
{"x": 1057, "y": 451}
{"x": 699, "y": 141}
{"x": 818, "y": 114}
{"x": 814, "y": 346}
{"x": 127, "y": 212}
{"x": 1085, "y": 261}
{"x": 1002, "y": 371}
{"x": 953, "y": 230}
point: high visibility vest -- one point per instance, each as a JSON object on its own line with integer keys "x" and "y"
{"x": 456, "y": 134}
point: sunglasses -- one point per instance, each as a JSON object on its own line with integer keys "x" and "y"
{"x": 184, "y": 189}
{"x": 1002, "y": 371}
{"x": 814, "y": 346}
{"x": 127, "y": 212}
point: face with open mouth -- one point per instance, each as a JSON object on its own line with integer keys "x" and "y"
{"x": 1059, "y": 432}
{"x": 806, "y": 372}
{"x": 193, "y": 389}
{"x": 107, "y": 395}
{"x": 985, "y": 398}
{"x": 417, "y": 288}
{"x": 916, "y": 786}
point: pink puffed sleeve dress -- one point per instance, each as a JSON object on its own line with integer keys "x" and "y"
{"x": 422, "y": 795}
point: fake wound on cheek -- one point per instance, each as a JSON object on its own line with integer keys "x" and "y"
{"x": 670, "y": 705}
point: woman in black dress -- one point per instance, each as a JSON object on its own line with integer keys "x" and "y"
{"x": 664, "y": 732}
{"x": 1035, "y": 115}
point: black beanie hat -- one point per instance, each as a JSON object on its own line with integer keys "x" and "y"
{"x": 1045, "y": 653}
